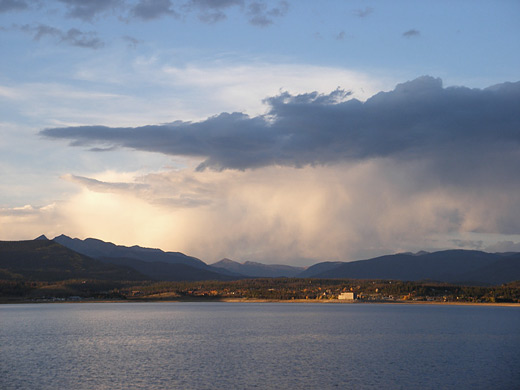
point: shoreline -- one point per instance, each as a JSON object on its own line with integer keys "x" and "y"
{"x": 259, "y": 300}
{"x": 359, "y": 302}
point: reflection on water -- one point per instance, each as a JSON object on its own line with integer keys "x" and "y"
{"x": 258, "y": 345}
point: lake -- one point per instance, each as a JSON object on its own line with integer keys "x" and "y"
{"x": 258, "y": 345}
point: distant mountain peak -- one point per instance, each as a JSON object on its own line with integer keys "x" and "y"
{"x": 41, "y": 238}
{"x": 226, "y": 261}
{"x": 420, "y": 253}
{"x": 254, "y": 269}
{"x": 62, "y": 236}
{"x": 99, "y": 249}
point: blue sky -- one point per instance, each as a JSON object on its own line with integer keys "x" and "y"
{"x": 276, "y": 131}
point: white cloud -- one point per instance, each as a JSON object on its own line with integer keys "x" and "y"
{"x": 10, "y": 93}
{"x": 195, "y": 90}
{"x": 249, "y": 84}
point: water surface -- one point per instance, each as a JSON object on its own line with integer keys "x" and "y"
{"x": 258, "y": 345}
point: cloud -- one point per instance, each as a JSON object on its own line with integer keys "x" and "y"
{"x": 101, "y": 186}
{"x": 132, "y": 42}
{"x": 504, "y": 246}
{"x": 319, "y": 176}
{"x": 411, "y": 33}
{"x": 73, "y": 36}
{"x": 170, "y": 189}
{"x": 261, "y": 15}
{"x": 232, "y": 83}
{"x": 363, "y": 13}
{"x": 453, "y": 127}
{"x": 88, "y": 10}
{"x": 214, "y": 4}
{"x": 212, "y": 17}
{"x": 30, "y": 221}
{"x": 23, "y": 210}
{"x": 153, "y": 9}
{"x": 12, "y": 5}
{"x": 211, "y": 11}
{"x": 473, "y": 244}
{"x": 78, "y": 38}
{"x": 345, "y": 211}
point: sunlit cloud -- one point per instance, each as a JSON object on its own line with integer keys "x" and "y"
{"x": 277, "y": 214}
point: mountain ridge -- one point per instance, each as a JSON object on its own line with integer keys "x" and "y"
{"x": 97, "y": 248}
{"x": 154, "y": 263}
{"x": 47, "y": 260}
{"x": 259, "y": 270}
{"x": 450, "y": 266}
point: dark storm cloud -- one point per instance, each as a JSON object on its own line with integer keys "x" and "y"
{"x": 73, "y": 36}
{"x": 153, "y": 9}
{"x": 12, "y": 5}
{"x": 464, "y": 131}
{"x": 411, "y": 33}
{"x": 89, "y": 9}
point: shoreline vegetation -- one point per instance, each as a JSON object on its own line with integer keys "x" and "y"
{"x": 296, "y": 290}
{"x": 255, "y": 300}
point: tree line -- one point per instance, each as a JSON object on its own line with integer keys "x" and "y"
{"x": 261, "y": 288}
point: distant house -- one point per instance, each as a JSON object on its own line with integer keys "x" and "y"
{"x": 347, "y": 296}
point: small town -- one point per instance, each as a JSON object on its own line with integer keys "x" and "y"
{"x": 270, "y": 289}
{"x": 318, "y": 289}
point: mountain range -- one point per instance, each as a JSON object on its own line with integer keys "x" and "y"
{"x": 451, "y": 266}
{"x": 44, "y": 260}
{"x": 153, "y": 263}
{"x": 251, "y": 268}
{"x": 68, "y": 258}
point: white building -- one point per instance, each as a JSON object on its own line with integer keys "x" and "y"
{"x": 348, "y": 296}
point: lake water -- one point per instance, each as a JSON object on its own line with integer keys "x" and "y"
{"x": 258, "y": 345}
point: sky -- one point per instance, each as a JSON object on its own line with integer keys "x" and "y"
{"x": 275, "y": 131}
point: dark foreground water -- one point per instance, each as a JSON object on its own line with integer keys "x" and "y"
{"x": 258, "y": 345}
